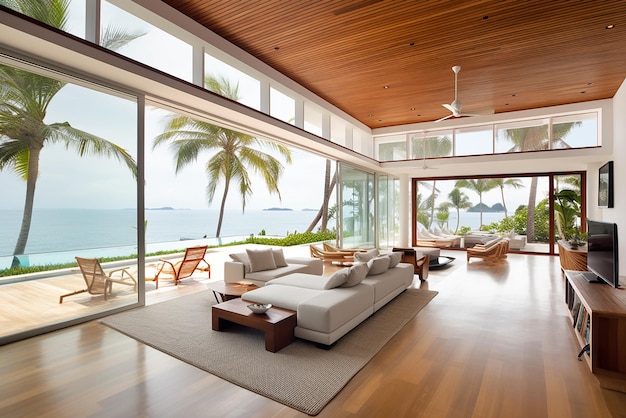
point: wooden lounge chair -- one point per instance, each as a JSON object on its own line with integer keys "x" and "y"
{"x": 183, "y": 268}
{"x": 331, "y": 248}
{"x": 339, "y": 257}
{"x": 421, "y": 264}
{"x": 98, "y": 282}
{"x": 492, "y": 251}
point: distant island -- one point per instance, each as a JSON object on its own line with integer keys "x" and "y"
{"x": 287, "y": 209}
{"x": 167, "y": 208}
{"x": 495, "y": 208}
{"x": 309, "y": 210}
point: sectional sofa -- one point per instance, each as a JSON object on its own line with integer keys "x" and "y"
{"x": 330, "y": 306}
{"x": 258, "y": 266}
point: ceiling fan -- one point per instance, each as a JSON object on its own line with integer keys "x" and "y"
{"x": 455, "y": 106}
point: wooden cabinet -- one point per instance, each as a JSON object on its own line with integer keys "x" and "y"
{"x": 572, "y": 259}
{"x": 599, "y": 319}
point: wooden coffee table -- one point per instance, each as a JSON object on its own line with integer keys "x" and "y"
{"x": 227, "y": 291}
{"x": 278, "y": 324}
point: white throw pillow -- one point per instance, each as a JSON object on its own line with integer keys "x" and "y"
{"x": 394, "y": 259}
{"x": 365, "y": 256}
{"x": 378, "y": 265}
{"x": 261, "y": 259}
{"x": 356, "y": 274}
{"x": 279, "y": 257}
{"x": 337, "y": 279}
{"x": 243, "y": 259}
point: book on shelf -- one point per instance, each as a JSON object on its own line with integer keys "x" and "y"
{"x": 587, "y": 329}
{"x": 581, "y": 314}
{"x": 583, "y": 323}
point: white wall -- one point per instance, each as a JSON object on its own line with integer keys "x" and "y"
{"x": 618, "y": 213}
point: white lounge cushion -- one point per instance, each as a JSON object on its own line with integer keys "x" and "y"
{"x": 288, "y": 297}
{"x": 378, "y": 265}
{"x": 262, "y": 259}
{"x": 356, "y": 274}
{"x": 366, "y": 256}
{"x": 267, "y": 275}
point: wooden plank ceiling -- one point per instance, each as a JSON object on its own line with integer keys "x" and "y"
{"x": 389, "y": 63}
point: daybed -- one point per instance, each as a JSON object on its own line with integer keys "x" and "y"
{"x": 328, "y": 307}
{"x": 478, "y": 237}
{"x": 258, "y": 266}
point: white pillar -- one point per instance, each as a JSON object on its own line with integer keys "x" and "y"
{"x": 404, "y": 211}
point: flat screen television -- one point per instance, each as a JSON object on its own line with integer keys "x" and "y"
{"x": 602, "y": 251}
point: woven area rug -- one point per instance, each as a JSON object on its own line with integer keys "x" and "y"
{"x": 301, "y": 375}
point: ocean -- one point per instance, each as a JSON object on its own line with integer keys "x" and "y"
{"x": 57, "y": 235}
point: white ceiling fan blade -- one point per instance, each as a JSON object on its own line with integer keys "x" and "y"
{"x": 449, "y": 107}
{"x": 484, "y": 112}
{"x": 444, "y": 118}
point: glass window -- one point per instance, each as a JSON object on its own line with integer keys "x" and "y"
{"x": 357, "y": 208}
{"x": 282, "y": 107}
{"x": 388, "y": 211}
{"x": 85, "y": 197}
{"x": 155, "y": 47}
{"x": 337, "y": 130}
{"x": 431, "y": 145}
{"x": 313, "y": 119}
{"x": 248, "y": 88}
{"x": 391, "y": 148}
{"x": 473, "y": 141}
{"x": 575, "y": 131}
{"x": 531, "y": 135}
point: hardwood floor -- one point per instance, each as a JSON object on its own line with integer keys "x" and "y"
{"x": 495, "y": 342}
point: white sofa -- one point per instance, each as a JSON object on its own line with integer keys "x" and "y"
{"x": 328, "y": 307}
{"x": 258, "y": 266}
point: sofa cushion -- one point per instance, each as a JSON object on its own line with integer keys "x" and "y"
{"x": 267, "y": 275}
{"x": 288, "y": 297}
{"x": 279, "y": 257}
{"x": 366, "y": 256}
{"x": 356, "y": 274}
{"x": 261, "y": 259}
{"x": 378, "y": 265}
{"x": 337, "y": 279}
{"x": 394, "y": 259}
{"x": 243, "y": 259}
{"x": 312, "y": 281}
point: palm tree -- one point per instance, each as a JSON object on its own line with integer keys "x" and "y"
{"x": 431, "y": 146}
{"x": 234, "y": 155}
{"x": 24, "y": 101}
{"x": 323, "y": 213}
{"x": 458, "y": 200}
{"x": 536, "y": 138}
{"x": 502, "y": 183}
{"x": 480, "y": 186}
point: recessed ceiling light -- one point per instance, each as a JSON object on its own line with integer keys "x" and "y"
{"x": 385, "y": 87}
{"x": 412, "y": 108}
{"x": 590, "y": 83}
{"x": 485, "y": 17}
{"x": 513, "y": 95}
{"x": 276, "y": 48}
{"x": 370, "y": 115}
{"x": 583, "y": 92}
{"x": 609, "y": 26}
{"x": 411, "y": 43}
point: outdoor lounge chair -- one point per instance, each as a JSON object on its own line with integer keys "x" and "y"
{"x": 340, "y": 256}
{"x": 491, "y": 251}
{"x": 183, "y": 268}
{"x": 98, "y": 282}
{"x": 331, "y": 248}
{"x": 426, "y": 239}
